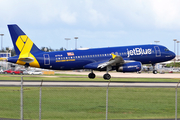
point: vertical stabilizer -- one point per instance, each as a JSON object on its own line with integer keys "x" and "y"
{"x": 22, "y": 43}
{"x": 24, "y": 47}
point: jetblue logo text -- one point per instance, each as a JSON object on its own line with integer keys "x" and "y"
{"x": 138, "y": 51}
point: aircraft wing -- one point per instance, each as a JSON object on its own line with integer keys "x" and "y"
{"x": 114, "y": 61}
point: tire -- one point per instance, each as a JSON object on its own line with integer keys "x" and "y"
{"x": 155, "y": 71}
{"x": 107, "y": 76}
{"x": 91, "y": 75}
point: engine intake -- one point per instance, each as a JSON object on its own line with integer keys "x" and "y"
{"x": 130, "y": 67}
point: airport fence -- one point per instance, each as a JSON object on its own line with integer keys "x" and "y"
{"x": 81, "y": 103}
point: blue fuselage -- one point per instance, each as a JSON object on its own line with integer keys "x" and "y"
{"x": 77, "y": 59}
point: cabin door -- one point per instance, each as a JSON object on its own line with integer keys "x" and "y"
{"x": 157, "y": 51}
{"x": 46, "y": 59}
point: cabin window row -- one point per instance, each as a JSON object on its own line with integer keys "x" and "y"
{"x": 84, "y": 56}
{"x": 89, "y": 56}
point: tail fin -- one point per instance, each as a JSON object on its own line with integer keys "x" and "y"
{"x": 24, "y": 47}
{"x": 22, "y": 43}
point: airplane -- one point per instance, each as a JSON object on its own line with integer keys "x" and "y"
{"x": 121, "y": 59}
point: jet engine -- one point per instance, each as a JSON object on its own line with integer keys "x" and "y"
{"x": 129, "y": 67}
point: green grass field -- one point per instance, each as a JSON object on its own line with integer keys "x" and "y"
{"x": 88, "y": 103}
{"x": 66, "y": 77}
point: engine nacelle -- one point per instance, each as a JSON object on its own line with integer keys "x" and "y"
{"x": 130, "y": 67}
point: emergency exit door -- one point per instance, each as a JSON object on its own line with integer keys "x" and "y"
{"x": 46, "y": 59}
{"x": 157, "y": 51}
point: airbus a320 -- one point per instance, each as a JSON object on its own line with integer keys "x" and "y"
{"x": 121, "y": 59}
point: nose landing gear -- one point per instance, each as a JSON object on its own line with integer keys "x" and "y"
{"x": 154, "y": 70}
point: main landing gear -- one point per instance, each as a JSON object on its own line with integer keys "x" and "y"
{"x": 91, "y": 75}
{"x": 106, "y": 76}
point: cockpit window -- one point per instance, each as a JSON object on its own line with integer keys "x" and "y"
{"x": 166, "y": 49}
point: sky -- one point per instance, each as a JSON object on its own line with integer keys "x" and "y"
{"x": 96, "y": 23}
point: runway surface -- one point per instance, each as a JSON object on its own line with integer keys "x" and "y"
{"x": 87, "y": 84}
{"x": 125, "y": 75}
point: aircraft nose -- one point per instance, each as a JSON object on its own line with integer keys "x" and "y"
{"x": 173, "y": 55}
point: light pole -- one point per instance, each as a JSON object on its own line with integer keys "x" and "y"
{"x": 156, "y": 41}
{"x": 10, "y": 49}
{"x": 76, "y": 42}
{"x": 177, "y": 50}
{"x": 7, "y": 57}
{"x": 67, "y": 42}
{"x": 45, "y": 49}
{"x": 1, "y": 40}
{"x": 174, "y": 49}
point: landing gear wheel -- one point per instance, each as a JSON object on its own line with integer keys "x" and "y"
{"x": 155, "y": 71}
{"x": 107, "y": 76}
{"x": 91, "y": 75}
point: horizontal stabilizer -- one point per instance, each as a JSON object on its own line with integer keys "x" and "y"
{"x": 3, "y": 59}
{"x": 27, "y": 59}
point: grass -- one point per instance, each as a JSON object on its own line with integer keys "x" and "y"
{"x": 89, "y": 103}
{"x": 65, "y": 77}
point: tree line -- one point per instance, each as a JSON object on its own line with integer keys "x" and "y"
{"x": 177, "y": 64}
{"x": 47, "y": 49}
